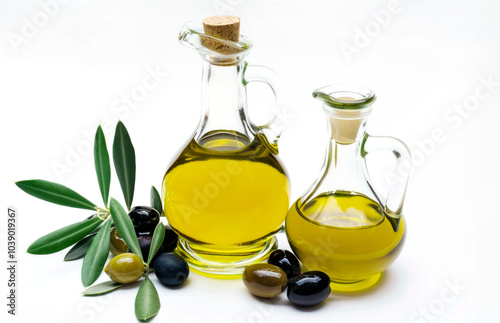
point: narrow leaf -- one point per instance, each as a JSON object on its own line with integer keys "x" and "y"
{"x": 96, "y": 256}
{"x": 147, "y": 301}
{"x": 102, "y": 288}
{"x": 64, "y": 237}
{"x": 156, "y": 200}
{"x": 55, "y": 193}
{"x": 125, "y": 227}
{"x": 124, "y": 161}
{"x": 156, "y": 241}
{"x": 80, "y": 248}
{"x": 102, "y": 166}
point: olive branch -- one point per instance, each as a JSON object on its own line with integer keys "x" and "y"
{"x": 90, "y": 238}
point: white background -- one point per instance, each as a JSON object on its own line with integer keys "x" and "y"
{"x": 64, "y": 78}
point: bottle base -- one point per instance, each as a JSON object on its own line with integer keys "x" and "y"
{"x": 355, "y": 286}
{"x": 224, "y": 262}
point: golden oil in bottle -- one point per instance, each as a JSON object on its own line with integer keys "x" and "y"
{"x": 226, "y": 197}
{"x": 345, "y": 235}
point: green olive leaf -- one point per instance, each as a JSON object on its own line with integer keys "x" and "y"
{"x": 55, "y": 193}
{"x": 125, "y": 227}
{"x": 156, "y": 200}
{"x": 156, "y": 241}
{"x": 64, "y": 237}
{"x": 102, "y": 288}
{"x": 102, "y": 166}
{"x": 124, "y": 161}
{"x": 96, "y": 256}
{"x": 80, "y": 248}
{"x": 147, "y": 301}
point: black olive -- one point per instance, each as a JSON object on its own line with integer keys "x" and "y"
{"x": 309, "y": 288}
{"x": 170, "y": 240}
{"x": 170, "y": 269}
{"x": 286, "y": 261}
{"x": 145, "y": 219}
{"x": 145, "y": 244}
{"x": 168, "y": 245}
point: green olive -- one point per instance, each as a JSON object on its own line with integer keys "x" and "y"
{"x": 125, "y": 268}
{"x": 116, "y": 243}
{"x": 265, "y": 280}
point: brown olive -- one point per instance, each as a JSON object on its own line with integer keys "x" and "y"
{"x": 265, "y": 280}
{"x": 116, "y": 243}
{"x": 125, "y": 268}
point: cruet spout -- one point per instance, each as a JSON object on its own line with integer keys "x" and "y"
{"x": 345, "y": 96}
{"x": 213, "y": 49}
{"x": 346, "y": 106}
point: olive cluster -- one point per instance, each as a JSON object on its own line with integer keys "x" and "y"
{"x": 282, "y": 271}
{"x": 126, "y": 267}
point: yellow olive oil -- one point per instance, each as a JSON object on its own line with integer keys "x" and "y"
{"x": 345, "y": 235}
{"x": 226, "y": 197}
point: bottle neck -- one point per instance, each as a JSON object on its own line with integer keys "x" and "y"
{"x": 344, "y": 147}
{"x": 223, "y": 100}
{"x": 343, "y": 168}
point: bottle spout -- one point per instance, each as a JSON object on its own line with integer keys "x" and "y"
{"x": 346, "y": 106}
{"x": 346, "y": 97}
{"x": 213, "y": 49}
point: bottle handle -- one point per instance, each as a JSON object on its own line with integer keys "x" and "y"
{"x": 397, "y": 189}
{"x": 270, "y": 132}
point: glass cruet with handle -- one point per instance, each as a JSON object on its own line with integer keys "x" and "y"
{"x": 227, "y": 192}
{"x": 342, "y": 225}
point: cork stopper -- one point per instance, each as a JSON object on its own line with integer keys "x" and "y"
{"x": 345, "y": 125}
{"x": 221, "y": 27}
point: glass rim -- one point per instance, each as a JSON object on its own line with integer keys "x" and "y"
{"x": 345, "y": 96}
{"x": 194, "y": 28}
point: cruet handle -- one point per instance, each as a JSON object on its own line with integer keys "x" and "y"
{"x": 397, "y": 188}
{"x": 270, "y": 132}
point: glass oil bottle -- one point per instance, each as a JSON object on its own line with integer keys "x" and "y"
{"x": 341, "y": 225}
{"x": 227, "y": 193}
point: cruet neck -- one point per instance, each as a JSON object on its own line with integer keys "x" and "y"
{"x": 214, "y": 50}
{"x": 223, "y": 101}
{"x": 347, "y": 106}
